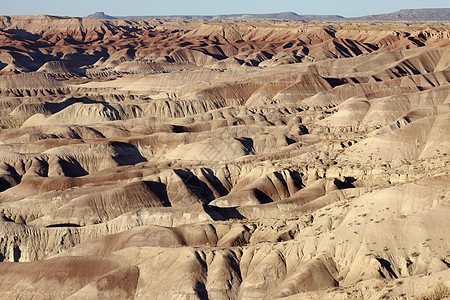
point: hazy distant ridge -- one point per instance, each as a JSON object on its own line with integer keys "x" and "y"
{"x": 424, "y": 14}
{"x": 275, "y": 16}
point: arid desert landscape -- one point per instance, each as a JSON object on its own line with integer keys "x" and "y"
{"x": 224, "y": 159}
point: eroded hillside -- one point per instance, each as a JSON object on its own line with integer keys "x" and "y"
{"x": 154, "y": 159}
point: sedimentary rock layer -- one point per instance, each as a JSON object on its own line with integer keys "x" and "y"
{"x": 224, "y": 160}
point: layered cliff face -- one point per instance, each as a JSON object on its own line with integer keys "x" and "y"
{"x": 223, "y": 160}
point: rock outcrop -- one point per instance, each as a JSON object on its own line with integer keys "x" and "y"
{"x": 150, "y": 159}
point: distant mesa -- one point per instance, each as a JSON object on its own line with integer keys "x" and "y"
{"x": 277, "y": 16}
{"x": 272, "y": 16}
{"x": 425, "y": 14}
{"x": 101, "y": 16}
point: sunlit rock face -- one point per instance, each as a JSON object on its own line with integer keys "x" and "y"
{"x": 150, "y": 159}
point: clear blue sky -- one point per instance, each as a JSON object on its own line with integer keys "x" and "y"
{"x": 350, "y": 8}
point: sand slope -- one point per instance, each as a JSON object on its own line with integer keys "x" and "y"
{"x": 149, "y": 159}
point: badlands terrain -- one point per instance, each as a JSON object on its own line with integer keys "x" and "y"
{"x": 149, "y": 159}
